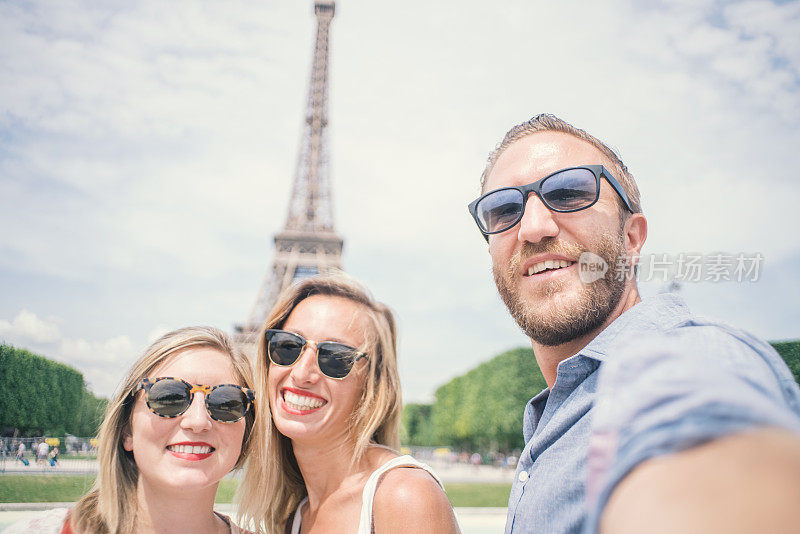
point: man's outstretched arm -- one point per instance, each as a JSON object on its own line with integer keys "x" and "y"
{"x": 742, "y": 483}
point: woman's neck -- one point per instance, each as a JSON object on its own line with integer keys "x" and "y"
{"x": 160, "y": 510}
{"x": 326, "y": 470}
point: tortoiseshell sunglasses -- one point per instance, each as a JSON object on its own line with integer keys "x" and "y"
{"x": 170, "y": 397}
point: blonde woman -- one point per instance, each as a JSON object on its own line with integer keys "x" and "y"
{"x": 329, "y": 401}
{"x": 181, "y": 420}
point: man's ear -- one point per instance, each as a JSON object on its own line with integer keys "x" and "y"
{"x": 635, "y": 236}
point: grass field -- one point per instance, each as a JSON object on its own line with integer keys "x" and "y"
{"x": 478, "y": 495}
{"x": 78, "y": 457}
{"x": 45, "y": 488}
{"x": 70, "y": 488}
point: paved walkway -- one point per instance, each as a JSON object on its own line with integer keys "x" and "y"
{"x": 472, "y": 520}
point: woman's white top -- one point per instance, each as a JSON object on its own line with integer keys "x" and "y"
{"x": 368, "y": 495}
{"x": 46, "y": 522}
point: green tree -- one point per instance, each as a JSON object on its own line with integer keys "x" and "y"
{"x": 90, "y": 415}
{"x": 38, "y": 395}
{"x": 790, "y": 352}
{"x": 417, "y": 425}
{"x": 483, "y": 408}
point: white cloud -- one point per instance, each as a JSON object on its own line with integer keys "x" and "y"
{"x": 105, "y": 354}
{"x": 26, "y": 327}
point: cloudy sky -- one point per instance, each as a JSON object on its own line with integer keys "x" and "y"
{"x": 147, "y": 148}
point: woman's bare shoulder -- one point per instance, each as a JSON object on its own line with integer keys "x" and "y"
{"x": 409, "y": 498}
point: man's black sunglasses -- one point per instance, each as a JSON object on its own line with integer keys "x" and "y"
{"x": 564, "y": 191}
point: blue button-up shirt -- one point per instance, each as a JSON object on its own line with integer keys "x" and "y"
{"x": 656, "y": 380}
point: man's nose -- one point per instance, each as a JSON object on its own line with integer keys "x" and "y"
{"x": 537, "y": 222}
{"x": 196, "y": 417}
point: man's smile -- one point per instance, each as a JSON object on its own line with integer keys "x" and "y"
{"x": 545, "y": 263}
{"x": 548, "y": 265}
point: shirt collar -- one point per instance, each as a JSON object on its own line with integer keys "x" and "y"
{"x": 657, "y": 313}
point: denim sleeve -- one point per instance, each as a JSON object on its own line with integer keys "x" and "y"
{"x": 670, "y": 392}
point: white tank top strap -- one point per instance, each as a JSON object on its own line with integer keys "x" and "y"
{"x": 368, "y": 496}
{"x": 298, "y": 516}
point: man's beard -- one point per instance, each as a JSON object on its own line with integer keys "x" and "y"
{"x": 567, "y": 319}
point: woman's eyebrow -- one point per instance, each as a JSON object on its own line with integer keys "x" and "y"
{"x": 334, "y": 339}
{"x": 339, "y": 340}
{"x": 293, "y": 331}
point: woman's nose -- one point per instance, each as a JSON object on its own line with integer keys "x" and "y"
{"x": 196, "y": 417}
{"x": 306, "y": 370}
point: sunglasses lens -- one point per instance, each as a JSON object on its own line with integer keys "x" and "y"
{"x": 570, "y": 190}
{"x": 168, "y": 398}
{"x": 500, "y": 210}
{"x": 284, "y": 348}
{"x": 227, "y": 403}
{"x": 336, "y": 360}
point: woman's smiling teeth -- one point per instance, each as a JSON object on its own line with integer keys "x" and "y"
{"x": 536, "y": 268}
{"x": 190, "y": 449}
{"x": 301, "y": 402}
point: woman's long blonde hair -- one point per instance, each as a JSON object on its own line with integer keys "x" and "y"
{"x": 111, "y": 504}
{"x": 273, "y": 486}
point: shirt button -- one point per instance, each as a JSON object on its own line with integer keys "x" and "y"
{"x": 523, "y": 476}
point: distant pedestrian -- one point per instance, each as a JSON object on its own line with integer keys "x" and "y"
{"x": 21, "y": 454}
{"x": 54, "y": 456}
{"x": 475, "y": 459}
{"x": 42, "y": 451}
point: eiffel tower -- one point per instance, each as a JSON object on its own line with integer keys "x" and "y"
{"x": 308, "y": 244}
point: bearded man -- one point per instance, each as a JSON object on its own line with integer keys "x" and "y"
{"x": 654, "y": 420}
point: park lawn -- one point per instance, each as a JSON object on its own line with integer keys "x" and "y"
{"x": 467, "y": 495}
{"x": 44, "y": 488}
{"x": 78, "y": 457}
{"x": 70, "y": 488}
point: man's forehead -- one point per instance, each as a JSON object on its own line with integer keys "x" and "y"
{"x": 537, "y": 155}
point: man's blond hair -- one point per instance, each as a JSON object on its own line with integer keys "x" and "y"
{"x": 547, "y": 122}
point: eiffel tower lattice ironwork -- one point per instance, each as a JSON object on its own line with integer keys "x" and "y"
{"x": 308, "y": 244}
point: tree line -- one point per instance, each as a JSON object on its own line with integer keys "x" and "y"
{"x": 482, "y": 410}
{"x": 39, "y": 396}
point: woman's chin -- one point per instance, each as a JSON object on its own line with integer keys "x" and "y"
{"x": 183, "y": 484}
{"x": 183, "y": 477}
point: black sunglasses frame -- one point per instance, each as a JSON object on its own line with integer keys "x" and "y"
{"x": 147, "y": 383}
{"x": 599, "y": 172}
{"x": 272, "y": 331}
